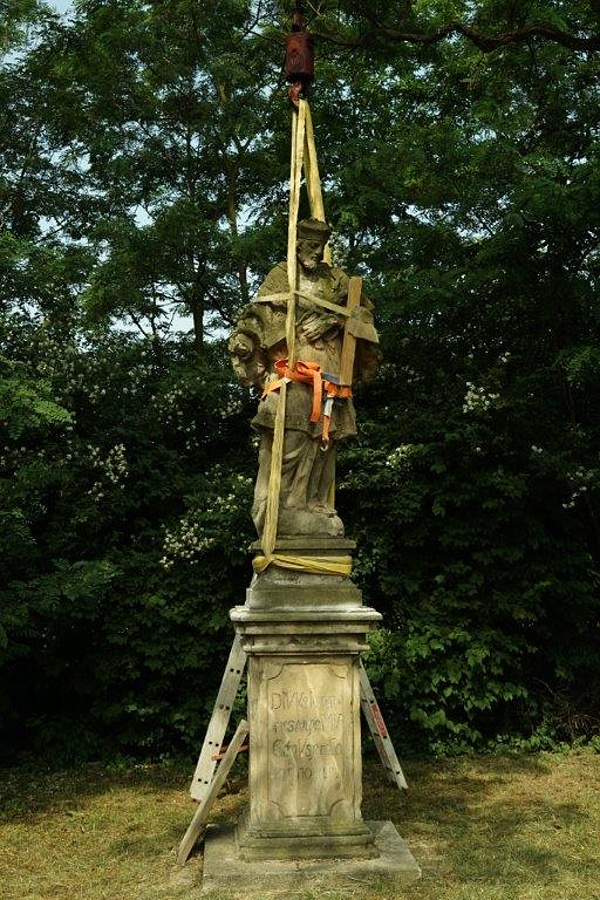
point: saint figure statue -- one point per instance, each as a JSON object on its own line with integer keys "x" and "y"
{"x": 317, "y": 414}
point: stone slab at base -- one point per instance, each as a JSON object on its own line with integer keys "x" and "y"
{"x": 232, "y": 878}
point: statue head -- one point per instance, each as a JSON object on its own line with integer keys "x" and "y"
{"x": 313, "y": 235}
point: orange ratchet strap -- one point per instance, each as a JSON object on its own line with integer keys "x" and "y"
{"x": 308, "y": 373}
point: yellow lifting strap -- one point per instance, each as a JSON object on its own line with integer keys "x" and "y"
{"x": 303, "y": 155}
{"x": 317, "y": 565}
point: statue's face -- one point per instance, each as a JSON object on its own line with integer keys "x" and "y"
{"x": 310, "y": 253}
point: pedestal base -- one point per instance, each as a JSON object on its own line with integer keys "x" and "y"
{"x": 229, "y": 875}
{"x": 303, "y": 633}
{"x": 304, "y": 838}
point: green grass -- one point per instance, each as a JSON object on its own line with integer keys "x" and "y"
{"x": 493, "y": 827}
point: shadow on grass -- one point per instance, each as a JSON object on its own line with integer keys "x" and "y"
{"x": 442, "y": 788}
{"x": 25, "y": 794}
{"x": 488, "y": 820}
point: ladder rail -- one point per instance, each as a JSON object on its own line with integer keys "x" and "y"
{"x": 206, "y": 765}
{"x": 379, "y": 732}
{"x": 200, "y": 817}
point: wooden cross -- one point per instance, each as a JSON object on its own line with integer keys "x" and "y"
{"x": 349, "y": 343}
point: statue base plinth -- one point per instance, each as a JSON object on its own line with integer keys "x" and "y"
{"x": 282, "y": 588}
{"x": 304, "y": 837}
{"x": 303, "y": 633}
{"x": 230, "y": 877}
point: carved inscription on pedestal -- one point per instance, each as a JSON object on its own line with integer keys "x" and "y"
{"x": 308, "y": 716}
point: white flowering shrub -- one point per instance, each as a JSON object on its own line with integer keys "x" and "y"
{"x": 111, "y": 466}
{"x": 478, "y": 399}
{"x": 401, "y": 456}
{"x": 219, "y": 520}
{"x": 126, "y": 479}
{"x": 582, "y": 482}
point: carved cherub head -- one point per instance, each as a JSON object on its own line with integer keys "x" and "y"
{"x": 246, "y": 358}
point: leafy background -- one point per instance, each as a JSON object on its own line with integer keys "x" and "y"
{"x": 142, "y": 199}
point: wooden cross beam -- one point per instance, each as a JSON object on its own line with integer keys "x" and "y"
{"x": 349, "y": 343}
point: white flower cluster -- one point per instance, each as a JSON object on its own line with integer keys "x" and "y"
{"x": 113, "y": 466}
{"x": 478, "y": 399}
{"x": 581, "y": 479}
{"x": 400, "y": 456}
{"x": 229, "y": 503}
{"x": 198, "y": 530}
{"x": 226, "y": 504}
{"x": 94, "y": 380}
{"x": 169, "y": 409}
{"x": 231, "y": 408}
{"x": 186, "y": 541}
{"x": 169, "y": 403}
{"x": 405, "y": 374}
{"x": 57, "y": 359}
{"x": 189, "y": 444}
{"x": 139, "y": 376}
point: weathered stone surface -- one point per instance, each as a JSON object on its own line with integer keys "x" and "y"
{"x": 323, "y": 322}
{"x": 305, "y": 761}
{"x": 305, "y": 717}
{"x": 230, "y": 878}
{"x": 303, "y": 634}
{"x": 281, "y": 588}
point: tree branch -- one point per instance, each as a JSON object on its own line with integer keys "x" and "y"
{"x": 485, "y": 42}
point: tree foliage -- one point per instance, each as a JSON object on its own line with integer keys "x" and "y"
{"x": 487, "y": 26}
{"x": 145, "y": 155}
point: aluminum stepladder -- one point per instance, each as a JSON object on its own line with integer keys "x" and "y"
{"x": 206, "y": 784}
{"x": 209, "y": 755}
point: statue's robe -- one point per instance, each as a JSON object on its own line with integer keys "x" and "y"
{"x": 307, "y": 473}
{"x": 319, "y": 338}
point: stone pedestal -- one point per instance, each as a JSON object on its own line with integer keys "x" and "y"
{"x": 303, "y": 633}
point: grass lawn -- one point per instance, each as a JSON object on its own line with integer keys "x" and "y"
{"x": 493, "y": 827}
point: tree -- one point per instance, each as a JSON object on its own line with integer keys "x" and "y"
{"x": 109, "y": 442}
{"x": 165, "y": 113}
{"x": 489, "y": 26}
{"x": 477, "y": 476}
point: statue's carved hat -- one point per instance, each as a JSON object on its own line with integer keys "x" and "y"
{"x": 313, "y": 229}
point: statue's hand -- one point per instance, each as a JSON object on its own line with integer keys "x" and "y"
{"x": 314, "y": 327}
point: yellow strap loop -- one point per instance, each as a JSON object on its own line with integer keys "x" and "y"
{"x": 317, "y": 565}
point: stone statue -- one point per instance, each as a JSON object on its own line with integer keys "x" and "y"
{"x": 258, "y": 350}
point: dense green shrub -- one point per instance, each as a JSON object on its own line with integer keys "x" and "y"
{"x": 145, "y": 155}
{"x": 131, "y": 547}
